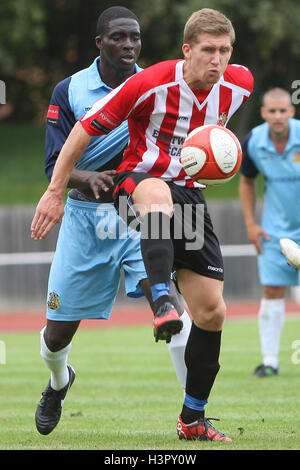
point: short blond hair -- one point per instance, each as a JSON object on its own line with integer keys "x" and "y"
{"x": 208, "y": 21}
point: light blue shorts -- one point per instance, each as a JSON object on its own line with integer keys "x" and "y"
{"x": 273, "y": 268}
{"x": 92, "y": 247}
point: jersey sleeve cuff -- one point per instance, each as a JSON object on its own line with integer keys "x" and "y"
{"x": 92, "y": 131}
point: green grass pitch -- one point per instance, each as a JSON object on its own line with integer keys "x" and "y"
{"x": 126, "y": 395}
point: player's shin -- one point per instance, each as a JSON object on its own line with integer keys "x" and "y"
{"x": 56, "y": 362}
{"x": 157, "y": 252}
{"x": 202, "y": 361}
{"x": 271, "y": 320}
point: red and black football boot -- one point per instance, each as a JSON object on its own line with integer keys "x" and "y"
{"x": 200, "y": 430}
{"x": 166, "y": 322}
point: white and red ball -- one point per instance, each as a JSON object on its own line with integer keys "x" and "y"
{"x": 211, "y": 155}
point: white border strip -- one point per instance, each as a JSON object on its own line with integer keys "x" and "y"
{"x": 238, "y": 250}
{"x": 46, "y": 257}
{"x": 39, "y": 257}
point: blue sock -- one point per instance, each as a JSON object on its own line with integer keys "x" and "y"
{"x": 163, "y": 288}
{"x": 194, "y": 403}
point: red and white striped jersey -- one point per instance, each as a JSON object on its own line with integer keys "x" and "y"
{"x": 161, "y": 110}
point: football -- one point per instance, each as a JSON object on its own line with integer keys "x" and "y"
{"x": 211, "y": 155}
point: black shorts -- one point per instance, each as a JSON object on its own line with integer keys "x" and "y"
{"x": 196, "y": 247}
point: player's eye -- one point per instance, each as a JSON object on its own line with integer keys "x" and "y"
{"x": 116, "y": 37}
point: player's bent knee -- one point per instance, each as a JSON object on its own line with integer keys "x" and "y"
{"x": 56, "y": 343}
{"x": 274, "y": 292}
{"x": 58, "y": 336}
{"x": 153, "y": 195}
{"x": 212, "y": 318}
{"x": 160, "y": 201}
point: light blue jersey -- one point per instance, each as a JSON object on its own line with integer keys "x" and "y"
{"x": 71, "y": 99}
{"x": 281, "y": 209}
{"x": 86, "y": 270}
{"x": 281, "y": 212}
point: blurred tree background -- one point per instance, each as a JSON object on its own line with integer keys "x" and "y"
{"x": 43, "y": 41}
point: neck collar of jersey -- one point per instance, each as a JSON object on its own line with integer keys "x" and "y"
{"x": 265, "y": 141}
{"x": 94, "y": 79}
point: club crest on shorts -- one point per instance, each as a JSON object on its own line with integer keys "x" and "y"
{"x": 53, "y": 301}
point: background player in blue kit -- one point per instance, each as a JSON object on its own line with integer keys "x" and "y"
{"x": 273, "y": 149}
{"x": 85, "y": 273}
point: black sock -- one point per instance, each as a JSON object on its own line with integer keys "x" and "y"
{"x": 202, "y": 361}
{"x": 189, "y": 415}
{"x": 157, "y": 247}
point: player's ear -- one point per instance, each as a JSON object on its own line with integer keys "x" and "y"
{"x": 186, "y": 50}
{"x": 292, "y": 111}
{"x": 98, "y": 42}
{"x": 263, "y": 112}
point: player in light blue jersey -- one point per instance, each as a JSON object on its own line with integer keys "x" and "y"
{"x": 273, "y": 149}
{"x": 94, "y": 244}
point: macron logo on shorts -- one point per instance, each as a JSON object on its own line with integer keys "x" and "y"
{"x": 213, "y": 268}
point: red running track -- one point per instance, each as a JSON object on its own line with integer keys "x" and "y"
{"x": 123, "y": 316}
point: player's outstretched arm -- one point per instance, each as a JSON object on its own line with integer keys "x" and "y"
{"x": 50, "y": 208}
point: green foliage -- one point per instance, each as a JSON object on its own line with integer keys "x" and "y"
{"x": 22, "y": 176}
{"x": 126, "y": 395}
{"x": 43, "y": 42}
{"x": 22, "y": 32}
{"x": 267, "y": 42}
{"x": 22, "y": 47}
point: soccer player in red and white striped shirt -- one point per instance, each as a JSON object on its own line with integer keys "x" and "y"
{"x": 162, "y": 105}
